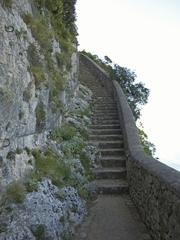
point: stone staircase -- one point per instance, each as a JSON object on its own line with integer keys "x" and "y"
{"x": 113, "y": 215}
{"x": 105, "y": 133}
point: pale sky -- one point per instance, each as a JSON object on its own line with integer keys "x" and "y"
{"x": 143, "y": 35}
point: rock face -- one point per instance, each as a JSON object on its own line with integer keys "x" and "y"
{"x": 48, "y": 213}
{"x": 40, "y": 93}
{"x": 26, "y": 109}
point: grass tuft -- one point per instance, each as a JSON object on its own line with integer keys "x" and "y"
{"x": 50, "y": 165}
{"x": 7, "y": 3}
{"x": 39, "y": 75}
{"x": 40, "y": 117}
{"x": 65, "y": 133}
{"x": 16, "y": 192}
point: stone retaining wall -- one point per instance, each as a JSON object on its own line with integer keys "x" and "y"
{"x": 154, "y": 187}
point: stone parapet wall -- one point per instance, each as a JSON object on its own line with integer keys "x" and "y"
{"x": 154, "y": 187}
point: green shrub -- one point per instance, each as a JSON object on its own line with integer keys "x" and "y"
{"x": 56, "y": 85}
{"x": 39, "y": 232}
{"x": 11, "y": 155}
{"x": 3, "y": 227}
{"x": 50, "y": 165}
{"x": 21, "y": 33}
{"x": 21, "y": 114}
{"x": 85, "y": 161}
{"x": 58, "y": 82}
{"x": 27, "y": 150}
{"x": 84, "y": 134}
{"x": 38, "y": 74}
{"x": 40, "y": 117}
{"x": 64, "y": 133}
{"x": 40, "y": 31}
{"x": 6, "y": 96}
{"x": 33, "y": 55}
{"x": 83, "y": 193}
{"x": 7, "y": 3}
{"x": 27, "y": 94}
{"x": 16, "y": 192}
{"x": 19, "y": 151}
{"x": 73, "y": 147}
{"x": 32, "y": 181}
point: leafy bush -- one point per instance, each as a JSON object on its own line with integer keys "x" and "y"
{"x": 31, "y": 182}
{"x": 33, "y": 55}
{"x": 7, "y": 3}
{"x": 149, "y": 147}
{"x": 16, "y": 192}
{"x": 40, "y": 31}
{"x": 19, "y": 151}
{"x": 73, "y": 147}
{"x": 38, "y": 74}
{"x": 39, "y": 232}
{"x": 50, "y": 165}
{"x": 40, "y": 117}
{"x": 11, "y": 155}
{"x": 85, "y": 161}
{"x": 65, "y": 133}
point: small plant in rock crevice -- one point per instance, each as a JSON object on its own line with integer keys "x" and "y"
{"x": 64, "y": 133}
{"x": 39, "y": 232}
{"x": 16, "y": 192}
{"x": 40, "y": 31}
{"x": 33, "y": 55}
{"x": 39, "y": 75}
{"x": 49, "y": 164}
{"x": 7, "y": 3}
{"x": 40, "y": 117}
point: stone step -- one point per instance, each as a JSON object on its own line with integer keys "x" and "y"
{"x": 103, "y": 112}
{"x": 107, "y": 144}
{"x": 105, "y": 121}
{"x": 108, "y": 126}
{"x": 105, "y": 131}
{"x": 113, "y": 161}
{"x": 103, "y": 97}
{"x": 112, "y": 151}
{"x": 105, "y": 105}
{"x": 107, "y": 96}
{"x": 110, "y": 173}
{"x": 104, "y": 102}
{"x": 105, "y": 137}
{"x": 115, "y": 186}
{"x": 106, "y": 117}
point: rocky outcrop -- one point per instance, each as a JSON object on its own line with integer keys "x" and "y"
{"x": 44, "y": 114}
{"x": 48, "y": 213}
{"x": 29, "y": 107}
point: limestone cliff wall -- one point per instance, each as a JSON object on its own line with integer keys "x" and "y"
{"x": 27, "y": 109}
